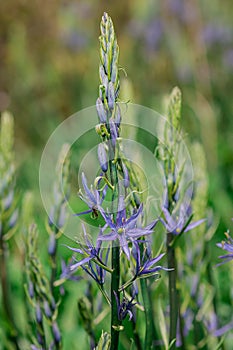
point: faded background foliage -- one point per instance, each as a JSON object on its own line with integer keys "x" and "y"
{"x": 49, "y": 70}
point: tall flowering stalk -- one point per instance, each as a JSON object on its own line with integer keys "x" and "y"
{"x": 167, "y": 154}
{"x": 41, "y": 289}
{"x": 8, "y": 215}
{"x": 176, "y": 213}
{"x": 124, "y": 229}
{"x": 107, "y": 112}
{"x": 57, "y": 215}
{"x": 40, "y": 296}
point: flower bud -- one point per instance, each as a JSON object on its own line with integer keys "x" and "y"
{"x": 33, "y": 347}
{"x": 31, "y": 290}
{"x": 126, "y": 176}
{"x": 102, "y": 157}
{"x": 111, "y": 95}
{"x": 113, "y": 131}
{"x": 52, "y": 245}
{"x": 114, "y": 73}
{"x": 38, "y": 313}
{"x": 101, "y": 111}
{"x": 8, "y": 200}
{"x": 51, "y": 216}
{"x": 62, "y": 216}
{"x": 39, "y": 339}
{"x": 56, "y": 333}
{"x": 104, "y": 342}
{"x": 13, "y": 219}
{"x": 118, "y": 116}
{"x": 84, "y": 308}
{"x": 47, "y": 309}
{"x": 102, "y": 74}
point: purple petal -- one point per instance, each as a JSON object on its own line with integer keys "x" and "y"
{"x": 221, "y": 331}
{"x": 86, "y": 189}
{"x": 81, "y": 262}
{"x": 110, "y": 237}
{"x": 151, "y": 225}
{"x": 228, "y": 247}
{"x": 121, "y": 210}
{"x": 194, "y": 224}
{"x": 171, "y": 223}
{"x": 124, "y": 245}
{"x": 130, "y": 314}
{"x": 227, "y": 256}
{"x": 87, "y": 241}
{"x": 138, "y": 232}
{"x": 136, "y": 255}
{"x": 132, "y": 220}
{"x": 76, "y": 250}
{"x": 83, "y": 212}
{"x": 98, "y": 200}
{"x": 107, "y": 218}
{"x": 154, "y": 261}
{"x": 154, "y": 270}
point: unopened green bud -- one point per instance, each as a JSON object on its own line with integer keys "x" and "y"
{"x": 86, "y": 315}
{"x": 104, "y": 342}
{"x": 174, "y": 107}
{"x": 7, "y": 136}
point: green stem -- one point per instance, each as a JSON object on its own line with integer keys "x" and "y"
{"x": 155, "y": 334}
{"x": 53, "y": 271}
{"x": 115, "y": 323}
{"x": 148, "y": 344}
{"x": 210, "y": 279}
{"x": 115, "y": 280}
{"x": 6, "y": 299}
{"x": 136, "y": 336}
{"x": 173, "y": 300}
{"x": 101, "y": 264}
{"x": 199, "y": 334}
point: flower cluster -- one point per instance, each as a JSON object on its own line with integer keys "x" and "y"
{"x": 40, "y": 295}
{"x": 228, "y": 246}
{"x": 124, "y": 229}
{"x": 128, "y": 259}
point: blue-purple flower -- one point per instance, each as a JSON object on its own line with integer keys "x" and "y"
{"x": 66, "y": 272}
{"x": 91, "y": 197}
{"x": 228, "y": 246}
{"x": 145, "y": 264}
{"x": 125, "y": 307}
{"x": 124, "y": 230}
{"x": 180, "y": 223}
{"x": 93, "y": 261}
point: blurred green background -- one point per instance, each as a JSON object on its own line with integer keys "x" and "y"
{"x": 49, "y": 55}
{"x": 49, "y": 70}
